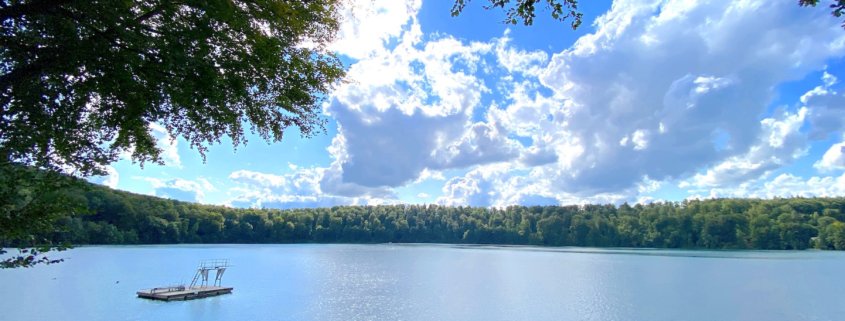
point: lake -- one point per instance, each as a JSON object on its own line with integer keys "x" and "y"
{"x": 434, "y": 282}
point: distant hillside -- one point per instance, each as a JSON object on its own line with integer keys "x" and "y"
{"x": 796, "y": 223}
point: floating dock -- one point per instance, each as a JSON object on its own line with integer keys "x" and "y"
{"x": 199, "y": 287}
{"x": 182, "y": 293}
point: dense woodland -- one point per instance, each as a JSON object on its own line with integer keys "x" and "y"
{"x": 117, "y": 217}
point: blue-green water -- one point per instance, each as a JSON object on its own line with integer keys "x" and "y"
{"x": 434, "y": 282}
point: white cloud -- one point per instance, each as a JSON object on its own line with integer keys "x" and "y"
{"x": 513, "y": 60}
{"x": 428, "y": 174}
{"x": 408, "y": 110}
{"x": 648, "y": 185}
{"x": 111, "y": 178}
{"x": 259, "y": 179}
{"x": 786, "y": 185}
{"x": 833, "y": 159}
{"x": 502, "y": 185}
{"x": 783, "y": 185}
{"x": 477, "y": 187}
{"x": 829, "y": 80}
{"x": 637, "y": 140}
{"x": 180, "y": 189}
{"x": 780, "y": 142}
{"x": 662, "y": 91}
{"x": 367, "y": 25}
{"x": 482, "y": 143}
{"x": 648, "y": 91}
{"x": 651, "y": 96}
{"x": 827, "y": 108}
{"x": 305, "y": 187}
{"x": 168, "y": 145}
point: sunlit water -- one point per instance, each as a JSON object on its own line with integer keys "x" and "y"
{"x": 434, "y": 282}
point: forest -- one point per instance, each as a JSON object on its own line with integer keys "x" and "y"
{"x": 117, "y": 217}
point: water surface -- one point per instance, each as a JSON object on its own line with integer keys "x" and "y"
{"x": 434, "y": 282}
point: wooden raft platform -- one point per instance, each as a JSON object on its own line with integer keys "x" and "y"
{"x": 182, "y": 293}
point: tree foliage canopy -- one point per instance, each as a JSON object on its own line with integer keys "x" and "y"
{"x": 796, "y": 223}
{"x": 30, "y": 201}
{"x": 82, "y": 80}
{"x": 524, "y": 10}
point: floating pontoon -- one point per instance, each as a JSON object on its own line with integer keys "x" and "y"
{"x": 199, "y": 287}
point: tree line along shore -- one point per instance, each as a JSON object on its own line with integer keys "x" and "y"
{"x": 117, "y": 217}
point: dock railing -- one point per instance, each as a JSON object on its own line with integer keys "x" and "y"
{"x": 201, "y": 277}
{"x": 170, "y": 288}
{"x": 214, "y": 264}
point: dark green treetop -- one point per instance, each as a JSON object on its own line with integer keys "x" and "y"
{"x": 82, "y": 80}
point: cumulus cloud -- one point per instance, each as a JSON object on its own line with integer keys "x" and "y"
{"x": 655, "y": 83}
{"x": 503, "y": 184}
{"x": 779, "y": 143}
{"x": 783, "y": 185}
{"x": 168, "y": 145}
{"x": 516, "y": 60}
{"x": 367, "y": 25}
{"x": 428, "y": 174}
{"x": 181, "y": 189}
{"x": 661, "y": 91}
{"x": 111, "y": 178}
{"x": 304, "y": 187}
{"x": 833, "y": 159}
{"x": 476, "y": 188}
{"x": 786, "y": 185}
{"x": 409, "y": 110}
{"x": 827, "y": 108}
{"x": 256, "y": 189}
{"x": 482, "y": 143}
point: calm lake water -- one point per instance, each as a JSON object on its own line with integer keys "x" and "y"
{"x": 434, "y": 282}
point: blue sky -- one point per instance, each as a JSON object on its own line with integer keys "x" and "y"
{"x": 646, "y": 101}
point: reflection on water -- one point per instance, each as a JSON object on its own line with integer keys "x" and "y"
{"x": 725, "y": 254}
{"x": 435, "y": 282}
